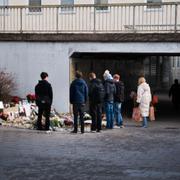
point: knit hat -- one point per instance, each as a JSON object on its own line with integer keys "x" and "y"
{"x": 107, "y": 75}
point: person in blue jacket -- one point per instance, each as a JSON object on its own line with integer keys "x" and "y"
{"x": 78, "y": 98}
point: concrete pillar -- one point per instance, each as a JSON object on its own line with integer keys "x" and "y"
{"x": 158, "y": 71}
{"x": 165, "y": 72}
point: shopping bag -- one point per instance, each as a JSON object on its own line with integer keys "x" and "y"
{"x": 151, "y": 113}
{"x": 155, "y": 100}
{"x": 136, "y": 115}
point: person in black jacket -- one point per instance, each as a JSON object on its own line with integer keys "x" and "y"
{"x": 118, "y": 100}
{"x": 78, "y": 98}
{"x": 96, "y": 98}
{"x": 44, "y": 98}
{"x": 110, "y": 90}
{"x": 175, "y": 93}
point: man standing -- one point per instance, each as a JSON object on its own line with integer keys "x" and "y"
{"x": 96, "y": 98}
{"x": 78, "y": 98}
{"x": 110, "y": 90}
{"x": 118, "y": 100}
{"x": 44, "y": 97}
{"x": 175, "y": 93}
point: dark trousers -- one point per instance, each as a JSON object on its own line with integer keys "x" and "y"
{"x": 78, "y": 110}
{"x": 46, "y": 110}
{"x": 96, "y": 114}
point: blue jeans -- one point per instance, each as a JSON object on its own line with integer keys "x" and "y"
{"x": 144, "y": 122}
{"x": 117, "y": 113}
{"x": 109, "y": 114}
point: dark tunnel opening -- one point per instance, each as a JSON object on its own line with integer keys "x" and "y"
{"x": 160, "y": 70}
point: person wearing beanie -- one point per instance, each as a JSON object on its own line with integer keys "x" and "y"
{"x": 110, "y": 90}
{"x": 107, "y": 75}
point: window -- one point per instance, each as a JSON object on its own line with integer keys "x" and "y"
{"x": 69, "y": 4}
{"x": 35, "y": 3}
{"x": 101, "y": 2}
{"x": 154, "y": 6}
{"x": 3, "y": 2}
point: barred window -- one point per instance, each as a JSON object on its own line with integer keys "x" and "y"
{"x": 69, "y": 4}
{"x": 154, "y": 6}
{"x": 101, "y": 2}
{"x": 35, "y": 3}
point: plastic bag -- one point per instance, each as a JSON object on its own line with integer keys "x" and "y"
{"x": 151, "y": 113}
{"x": 136, "y": 115}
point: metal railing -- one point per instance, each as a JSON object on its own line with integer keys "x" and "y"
{"x": 107, "y": 18}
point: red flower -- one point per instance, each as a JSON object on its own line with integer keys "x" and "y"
{"x": 31, "y": 97}
{"x": 15, "y": 99}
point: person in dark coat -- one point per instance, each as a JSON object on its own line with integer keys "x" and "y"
{"x": 96, "y": 98}
{"x": 175, "y": 93}
{"x": 78, "y": 98}
{"x": 110, "y": 90}
{"x": 44, "y": 98}
{"x": 118, "y": 100}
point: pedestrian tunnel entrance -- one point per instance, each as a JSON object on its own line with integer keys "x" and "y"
{"x": 160, "y": 70}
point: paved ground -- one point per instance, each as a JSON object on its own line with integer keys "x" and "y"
{"x": 132, "y": 153}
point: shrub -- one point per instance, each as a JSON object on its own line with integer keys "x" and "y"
{"x": 7, "y": 86}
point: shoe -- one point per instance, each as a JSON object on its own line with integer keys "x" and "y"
{"x": 98, "y": 131}
{"x": 93, "y": 131}
{"x": 144, "y": 126}
{"x": 48, "y": 131}
{"x": 82, "y": 132}
{"x": 122, "y": 126}
{"x": 73, "y": 131}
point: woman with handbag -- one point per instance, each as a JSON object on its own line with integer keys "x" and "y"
{"x": 143, "y": 99}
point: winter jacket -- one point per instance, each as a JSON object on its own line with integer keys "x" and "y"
{"x": 110, "y": 90}
{"x": 144, "y": 98}
{"x": 78, "y": 91}
{"x": 96, "y": 91}
{"x": 119, "y": 95}
{"x": 44, "y": 93}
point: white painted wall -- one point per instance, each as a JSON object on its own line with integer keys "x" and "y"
{"x": 26, "y": 60}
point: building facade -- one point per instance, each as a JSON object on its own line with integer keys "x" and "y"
{"x": 62, "y": 36}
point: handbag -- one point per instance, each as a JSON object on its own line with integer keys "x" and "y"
{"x": 136, "y": 115}
{"x": 154, "y": 99}
{"x": 151, "y": 113}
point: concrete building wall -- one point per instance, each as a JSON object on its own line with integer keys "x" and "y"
{"x": 27, "y": 59}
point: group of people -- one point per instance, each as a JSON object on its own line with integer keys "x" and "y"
{"x": 107, "y": 95}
